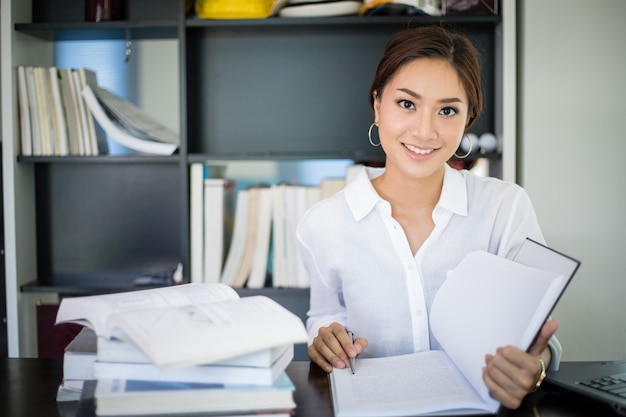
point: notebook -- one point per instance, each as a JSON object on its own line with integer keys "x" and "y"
{"x": 602, "y": 381}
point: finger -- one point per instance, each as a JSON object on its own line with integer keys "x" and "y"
{"x": 337, "y": 339}
{"x": 513, "y": 369}
{"x": 360, "y": 344}
{"x": 547, "y": 331}
{"x": 499, "y": 393}
{"x": 504, "y": 377}
{"x": 343, "y": 338}
{"x": 329, "y": 346}
{"x": 318, "y": 359}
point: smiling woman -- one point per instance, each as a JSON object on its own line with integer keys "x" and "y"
{"x": 422, "y": 115}
{"x": 378, "y": 251}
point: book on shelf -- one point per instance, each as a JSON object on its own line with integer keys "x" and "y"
{"x": 243, "y": 268}
{"x": 198, "y": 172}
{"x": 26, "y": 141}
{"x": 127, "y": 124}
{"x": 196, "y": 216}
{"x": 331, "y": 186}
{"x": 307, "y": 198}
{"x": 237, "y": 245}
{"x": 86, "y": 77}
{"x": 296, "y": 200}
{"x": 215, "y": 373}
{"x": 43, "y": 110}
{"x": 34, "y": 111}
{"x": 187, "y": 324}
{"x": 60, "y": 142}
{"x": 264, "y": 236}
{"x": 260, "y": 257}
{"x": 252, "y": 269}
{"x": 279, "y": 252}
{"x": 83, "y": 115}
{"x": 218, "y": 198}
{"x": 56, "y": 118}
{"x": 485, "y": 303}
{"x": 69, "y": 98}
{"x": 129, "y": 397}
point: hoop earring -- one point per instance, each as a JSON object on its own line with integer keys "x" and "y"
{"x": 369, "y": 135}
{"x": 470, "y": 147}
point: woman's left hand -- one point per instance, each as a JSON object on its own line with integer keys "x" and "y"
{"x": 512, "y": 373}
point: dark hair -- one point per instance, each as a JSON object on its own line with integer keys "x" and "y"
{"x": 433, "y": 42}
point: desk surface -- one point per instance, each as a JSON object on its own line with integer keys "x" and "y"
{"x": 28, "y": 389}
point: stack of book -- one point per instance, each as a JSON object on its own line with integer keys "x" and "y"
{"x": 78, "y": 364}
{"x": 57, "y": 108}
{"x": 191, "y": 348}
{"x": 54, "y": 118}
{"x": 247, "y": 237}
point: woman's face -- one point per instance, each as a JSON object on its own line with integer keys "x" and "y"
{"x": 421, "y": 116}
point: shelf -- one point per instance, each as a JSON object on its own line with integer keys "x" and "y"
{"x": 114, "y": 30}
{"x": 100, "y": 159}
{"x": 195, "y": 22}
{"x": 106, "y": 285}
{"x": 278, "y": 156}
{"x": 275, "y": 89}
{"x": 167, "y": 28}
{"x": 78, "y": 286}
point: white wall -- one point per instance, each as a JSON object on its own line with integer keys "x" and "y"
{"x": 158, "y": 79}
{"x": 572, "y": 146}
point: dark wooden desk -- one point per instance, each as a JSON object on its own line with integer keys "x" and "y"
{"x": 28, "y": 389}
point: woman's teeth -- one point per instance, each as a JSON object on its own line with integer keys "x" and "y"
{"x": 418, "y": 150}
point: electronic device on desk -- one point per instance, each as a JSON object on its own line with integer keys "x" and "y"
{"x": 172, "y": 277}
{"x": 601, "y": 381}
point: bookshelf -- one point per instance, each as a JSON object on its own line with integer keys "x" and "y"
{"x": 261, "y": 89}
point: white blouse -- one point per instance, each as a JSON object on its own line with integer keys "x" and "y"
{"x": 364, "y": 276}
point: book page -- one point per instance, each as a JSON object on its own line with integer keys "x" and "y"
{"x": 418, "y": 383}
{"x": 132, "y": 119}
{"x": 93, "y": 311}
{"x": 120, "y": 134}
{"x": 205, "y": 333}
{"x": 488, "y": 302}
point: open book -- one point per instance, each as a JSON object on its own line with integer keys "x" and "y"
{"x": 485, "y": 303}
{"x": 129, "y": 125}
{"x": 189, "y": 324}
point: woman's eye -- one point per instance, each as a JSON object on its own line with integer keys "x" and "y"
{"x": 448, "y": 111}
{"x": 406, "y": 104}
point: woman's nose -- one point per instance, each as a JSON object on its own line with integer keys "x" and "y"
{"x": 422, "y": 126}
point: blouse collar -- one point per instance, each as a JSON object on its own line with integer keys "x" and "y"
{"x": 362, "y": 197}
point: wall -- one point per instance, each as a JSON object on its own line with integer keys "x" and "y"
{"x": 571, "y": 144}
{"x": 155, "y": 63}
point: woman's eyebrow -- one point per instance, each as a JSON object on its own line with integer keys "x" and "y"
{"x": 417, "y": 96}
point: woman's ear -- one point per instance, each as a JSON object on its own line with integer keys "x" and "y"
{"x": 376, "y": 105}
{"x": 470, "y": 119}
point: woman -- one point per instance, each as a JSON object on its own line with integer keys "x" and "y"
{"x": 378, "y": 251}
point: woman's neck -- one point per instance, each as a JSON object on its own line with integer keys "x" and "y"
{"x": 401, "y": 190}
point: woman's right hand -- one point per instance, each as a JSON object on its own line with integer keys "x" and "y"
{"x": 332, "y": 347}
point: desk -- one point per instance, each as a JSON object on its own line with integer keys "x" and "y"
{"x": 28, "y": 389}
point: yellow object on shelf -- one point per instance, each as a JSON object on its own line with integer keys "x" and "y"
{"x": 237, "y": 9}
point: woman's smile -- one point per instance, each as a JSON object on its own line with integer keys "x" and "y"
{"x": 419, "y": 151}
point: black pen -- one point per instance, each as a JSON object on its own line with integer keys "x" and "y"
{"x": 352, "y": 360}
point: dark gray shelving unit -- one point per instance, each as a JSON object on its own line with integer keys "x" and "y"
{"x": 253, "y": 89}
